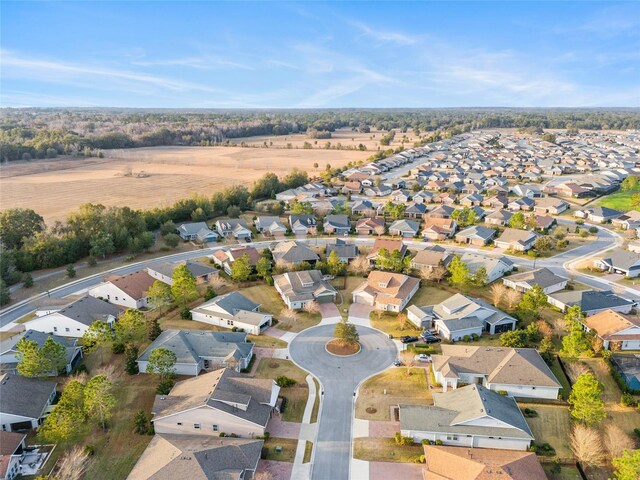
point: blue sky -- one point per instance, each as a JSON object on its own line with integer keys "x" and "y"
{"x": 300, "y": 55}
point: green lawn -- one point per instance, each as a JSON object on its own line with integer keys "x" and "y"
{"x": 619, "y": 200}
{"x": 316, "y": 403}
{"x": 288, "y": 445}
{"x": 308, "y": 450}
{"x": 385, "y": 450}
{"x": 297, "y": 395}
{"x": 567, "y": 472}
{"x": 430, "y": 295}
{"x": 390, "y": 323}
{"x": 346, "y": 286}
{"x": 552, "y": 426}
{"x": 562, "y": 378}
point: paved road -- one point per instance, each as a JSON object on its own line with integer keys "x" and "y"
{"x": 339, "y": 377}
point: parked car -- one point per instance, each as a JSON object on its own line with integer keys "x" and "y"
{"x": 397, "y": 362}
{"x": 423, "y": 357}
{"x": 430, "y": 338}
{"x": 408, "y": 339}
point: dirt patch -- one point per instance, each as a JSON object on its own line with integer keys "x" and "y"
{"x": 337, "y": 347}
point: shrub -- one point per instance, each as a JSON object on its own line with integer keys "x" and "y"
{"x": 165, "y": 386}
{"x": 82, "y": 369}
{"x": 438, "y": 442}
{"x": 530, "y": 413}
{"x": 185, "y": 313}
{"x": 533, "y": 448}
{"x": 91, "y": 261}
{"x": 593, "y": 229}
{"x": 636, "y": 432}
{"x": 28, "y": 280}
{"x": 475, "y": 337}
{"x": 284, "y": 381}
{"x": 579, "y": 222}
{"x": 584, "y": 234}
{"x": 556, "y": 467}
{"x": 89, "y": 450}
{"x": 117, "y": 348}
{"x": 222, "y": 434}
{"x": 466, "y": 338}
{"x": 141, "y": 423}
{"x": 425, "y": 442}
{"x": 209, "y": 294}
{"x": 627, "y": 400}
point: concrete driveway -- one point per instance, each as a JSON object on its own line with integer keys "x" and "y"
{"x": 329, "y": 310}
{"x": 339, "y": 377}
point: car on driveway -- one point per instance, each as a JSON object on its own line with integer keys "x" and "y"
{"x": 397, "y": 362}
{"x": 428, "y": 337}
{"x": 423, "y": 357}
{"x": 408, "y": 339}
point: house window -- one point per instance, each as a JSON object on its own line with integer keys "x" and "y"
{"x": 196, "y": 426}
{"x": 452, "y": 437}
{"x": 180, "y": 423}
{"x": 215, "y": 428}
{"x": 66, "y": 329}
{"x": 230, "y": 323}
{"x": 55, "y": 329}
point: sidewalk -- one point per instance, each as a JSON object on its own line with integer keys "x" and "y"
{"x": 308, "y": 431}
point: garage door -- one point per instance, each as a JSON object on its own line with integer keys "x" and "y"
{"x": 485, "y": 442}
{"x": 362, "y": 300}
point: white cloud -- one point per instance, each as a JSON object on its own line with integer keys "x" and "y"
{"x": 384, "y": 36}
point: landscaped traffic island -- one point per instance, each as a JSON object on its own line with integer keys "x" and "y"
{"x": 340, "y": 347}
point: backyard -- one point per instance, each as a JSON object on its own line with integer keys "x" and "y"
{"x": 552, "y": 426}
{"x": 296, "y": 396}
{"x": 385, "y": 450}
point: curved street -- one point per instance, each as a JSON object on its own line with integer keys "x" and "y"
{"x": 339, "y": 378}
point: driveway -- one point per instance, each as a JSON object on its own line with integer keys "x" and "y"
{"x": 329, "y": 310}
{"x": 359, "y": 314}
{"x": 339, "y": 377}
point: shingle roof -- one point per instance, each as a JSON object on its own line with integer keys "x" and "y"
{"x": 388, "y": 288}
{"x": 69, "y": 344}
{"x": 134, "y": 284}
{"x": 608, "y": 323}
{"x": 293, "y": 252}
{"x": 540, "y": 276}
{"x": 623, "y": 259}
{"x": 197, "y": 269}
{"x": 291, "y": 284}
{"x": 88, "y": 309}
{"x": 590, "y": 299}
{"x": 24, "y": 396}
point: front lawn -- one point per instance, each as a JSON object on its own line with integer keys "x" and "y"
{"x": 400, "y": 387}
{"x": 390, "y": 323}
{"x": 287, "y": 446}
{"x": 385, "y": 450}
{"x": 295, "y": 396}
{"x": 430, "y": 295}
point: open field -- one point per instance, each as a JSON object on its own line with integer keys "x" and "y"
{"x": 56, "y": 187}
{"x": 619, "y": 200}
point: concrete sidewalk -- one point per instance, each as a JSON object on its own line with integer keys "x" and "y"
{"x": 308, "y": 431}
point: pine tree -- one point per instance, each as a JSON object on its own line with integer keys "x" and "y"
{"x": 130, "y": 357}
{"x": 585, "y": 400}
{"x": 184, "y": 288}
{"x": 99, "y": 400}
{"x": 153, "y": 329}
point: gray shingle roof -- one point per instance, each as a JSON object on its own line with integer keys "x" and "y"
{"x": 590, "y": 300}
{"x": 540, "y": 276}
{"x": 24, "y": 396}
{"x": 87, "y": 310}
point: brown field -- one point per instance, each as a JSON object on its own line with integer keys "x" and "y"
{"x": 56, "y": 187}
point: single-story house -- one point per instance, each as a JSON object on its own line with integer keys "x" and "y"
{"x": 198, "y": 350}
{"x": 416, "y": 210}
{"x": 495, "y": 267}
{"x": 404, "y": 228}
{"x": 12, "y": 448}
{"x": 430, "y": 258}
{"x": 293, "y": 252}
{"x": 471, "y": 416}
{"x": 439, "y": 228}
{"x": 234, "y": 227}
{"x": 303, "y": 224}
{"x": 370, "y": 226}
{"x": 225, "y": 257}
{"x": 74, "y": 319}
{"x": 338, "y": 224}
{"x": 389, "y": 245}
{"x": 443, "y": 211}
{"x": 233, "y": 310}
{"x": 297, "y": 289}
{"x": 386, "y": 291}
{"x": 591, "y": 301}
{"x": 627, "y": 221}
{"x": 550, "y": 205}
{"x": 164, "y": 271}
{"x": 128, "y": 290}
{"x": 520, "y": 372}
{"x": 270, "y": 225}
{"x": 218, "y": 401}
{"x": 620, "y": 261}
{"x": 498, "y": 217}
{"x": 351, "y": 187}
{"x": 615, "y": 330}
{"x": 544, "y": 222}
{"x": 543, "y": 277}
{"x": 521, "y": 204}
{"x": 9, "y": 355}
{"x": 24, "y": 402}
{"x": 515, "y": 239}
{"x": 345, "y": 251}
{"x": 363, "y": 207}
{"x": 421, "y": 317}
{"x": 475, "y": 235}
{"x": 598, "y": 214}
{"x": 176, "y": 456}
{"x": 199, "y": 231}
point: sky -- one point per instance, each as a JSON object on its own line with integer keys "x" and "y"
{"x": 319, "y": 55}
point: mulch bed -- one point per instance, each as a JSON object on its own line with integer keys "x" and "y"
{"x": 337, "y": 347}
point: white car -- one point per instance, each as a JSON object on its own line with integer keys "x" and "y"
{"x": 423, "y": 357}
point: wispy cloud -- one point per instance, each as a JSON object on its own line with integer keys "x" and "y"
{"x": 199, "y": 63}
{"x": 383, "y": 36}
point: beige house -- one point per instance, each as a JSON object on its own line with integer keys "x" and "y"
{"x": 297, "y": 289}
{"x": 223, "y": 401}
{"x": 386, "y": 291}
{"x": 615, "y": 330}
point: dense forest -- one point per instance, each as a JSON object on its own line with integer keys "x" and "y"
{"x": 44, "y": 133}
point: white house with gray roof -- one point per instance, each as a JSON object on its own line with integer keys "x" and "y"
{"x": 293, "y": 252}
{"x": 164, "y": 271}
{"x": 520, "y": 372}
{"x": 620, "y": 261}
{"x": 591, "y": 301}
{"x": 495, "y": 267}
{"x": 198, "y": 350}
{"x": 297, "y": 289}
{"x": 233, "y": 310}
{"x": 199, "y": 231}
{"x": 233, "y": 227}
{"x": 543, "y": 277}
{"x": 270, "y": 225}
{"x": 471, "y": 416}
{"x": 24, "y": 402}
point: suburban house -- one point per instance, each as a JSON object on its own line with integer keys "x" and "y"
{"x": 198, "y": 350}
{"x": 615, "y": 330}
{"x": 545, "y": 278}
{"x": 219, "y": 401}
{"x": 234, "y": 227}
{"x": 233, "y": 310}
{"x": 172, "y": 457}
{"x": 9, "y": 357}
{"x": 480, "y": 464}
{"x": 416, "y": 210}
{"x": 520, "y": 372}
{"x": 471, "y": 416}
{"x": 128, "y": 290}
{"x": 439, "y": 228}
{"x": 550, "y": 205}
{"x": 404, "y": 228}
{"x": 620, "y": 261}
{"x": 386, "y": 291}
{"x": 627, "y": 221}
{"x": 598, "y": 214}
{"x": 495, "y": 267}
{"x": 199, "y": 231}
{"x": 293, "y": 252}
{"x": 363, "y": 207}
{"x": 164, "y": 271}
{"x": 370, "y": 226}
{"x": 270, "y": 225}
{"x": 430, "y": 258}
{"x": 544, "y": 222}
{"x": 518, "y": 240}
{"x": 12, "y": 446}
{"x": 336, "y": 224}
{"x": 24, "y": 402}
{"x": 74, "y": 319}
{"x": 297, "y": 289}
{"x": 351, "y": 187}
{"x": 461, "y": 315}
{"x": 225, "y": 257}
{"x": 389, "y": 245}
{"x": 345, "y": 251}
{"x": 443, "y": 211}
{"x": 475, "y": 235}
{"x": 525, "y": 204}
{"x": 303, "y": 224}
{"x": 591, "y": 301}
{"x": 499, "y": 218}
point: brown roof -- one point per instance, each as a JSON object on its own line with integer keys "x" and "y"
{"x": 9, "y": 442}
{"x": 235, "y": 253}
{"x": 608, "y": 323}
{"x": 388, "y": 288}
{"x": 387, "y": 243}
{"x": 134, "y": 284}
{"x": 443, "y": 223}
{"x": 480, "y": 464}
{"x": 429, "y": 257}
{"x": 370, "y": 223}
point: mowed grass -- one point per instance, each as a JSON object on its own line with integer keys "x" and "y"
{"x": 402, "y": 386}
{"x": 393, "y": 324}
{"x": 288, "y": 446}
{"x": 619, "y": 200}
{"x": 297, "y": 395}
{"x": 567, "y": 472}
{"x": 385, "y": 450}
{"x": 552, "y": 426}
{"x": 429, "y": 295}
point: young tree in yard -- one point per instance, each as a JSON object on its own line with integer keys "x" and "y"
{"x": 514, "y": 339}
{"x": 130, "y": 327}
{"x": 141, "y": 422}
{"x": 585, "y": 400}
{"x": 576, "y": 342}
{"x": 480, "y": 278}
{"x": 587, "y": 447}
{"x": 130, "y": 357}
{"x": 546, "y": 350}
{"x": 616, "y": 440}
{"x": 71, "y": 271}
{"x": 532, "y": 301}
{"x": 498, "y": 292}
{"x": 512, "y": 298}
{"x": 379, "y": 230}
{"x": 67, "y": 422}
{"x": 30, "y": 362}
{"x": 465, "y": 217}
{"x": 627, "y": 466}
{"x": 241, "y": 268}
{"x": 99, "y": 400}
{"x": 459, "y": 272}
{"x": 311, "y": 307}
{"x": 359, "y": 265}
{"x": 407, "y": 357}
{"x": 263, "y": 267}
{"x": 153, "y": 329}
{"x": 171, "y": 240}
{"x": 73, "y": 464}
{"x": 54, "y": 355}
{"x": 162, "y": 363}
{"x": 335, "y": 266}
{"x": 517, "y": 220}
{"x": 98, "y": 335}
{"x": 184, "y": 288}
{"x": 301, "y": 208}
{"x": 346, "y": 332}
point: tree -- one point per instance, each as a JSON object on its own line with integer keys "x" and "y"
{"x": 67, "y": 422}
{"x": 141, "y": 422}
{"x": 577, "y": 342}
{"x": 407, "y": 357}
{"x": 631, "y": 183}
{"x": 549, "y": 137}
{"x": 16, "y": 224}
{"x": 27, "y": 281}
{"x": 335, "y": 266}
{"x": 543, "y": 243}
{"x": 465, "y": 217}
{"x": 480, "y": 278}
{"x": 73, "y": 464}
{"x": 153, "y": 329}
{"x": 586, "y": 405}
{"x": 546, "y": 350}
{"x": 346, "y": 332}
{"x": 586, "y": 446}
{"x": 627, "y": 466}
{"x": 171, "y": 240}
{"x": 162, "y": 363}
{"x": 184, "y": 288}
{"x": 532, "y": 301}
{"x": 130, "y": 327}
{"x": 5, "y": 293}
{"x": 101, "y": 245}
{"x": 98, "y": 335}
{"x": 54, "y": 355}
{"x": 35, "y": 361}
{"x": 241, "y": 268}
{"x": 517, "y": 220}
{"x": 159, "y": 295}
{"x": 459, "y": 272}
{"x": 395, "y": 210}
{"x": 616, "y": 440}
{"x": 512, "y": 298}
{"x": 498, "y": 291}
{"x": 263, "y": 267}
{"x": 359, "y": 265}
{"x": 301, "y": 208}
{"x": 514, "y": 339}
{"x": 71, "y": 271}
{"x": 99, "y": 400}
{"x": 312, "y": 307}
{"x": 130, "y": 357}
